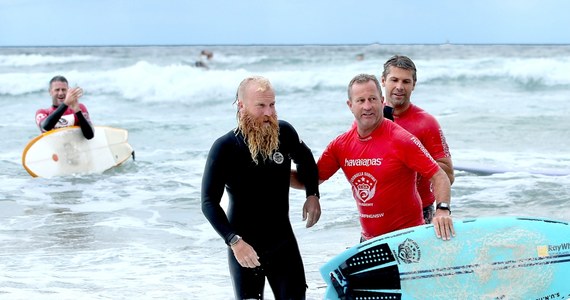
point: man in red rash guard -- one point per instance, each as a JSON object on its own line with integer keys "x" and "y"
{"x": 380, "y": 160}
{"x": 399, "y": 79}
{"x": 65, "y": 110}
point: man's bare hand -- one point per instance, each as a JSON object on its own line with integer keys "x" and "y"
{"x": 312, "y": 211}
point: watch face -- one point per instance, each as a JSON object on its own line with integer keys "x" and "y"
{"x": 234, "y": 239}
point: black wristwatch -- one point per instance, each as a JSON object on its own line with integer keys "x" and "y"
{"x": 234, "y": 240}
{"x": 444, "y": 206}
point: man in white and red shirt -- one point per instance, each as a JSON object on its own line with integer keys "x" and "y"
{"x": 65, "y": 110}
{"x": 380, "y": 160}
{"x": 399, "y": 80}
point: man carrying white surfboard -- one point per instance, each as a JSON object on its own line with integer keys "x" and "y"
{"x": 65, "y": 110}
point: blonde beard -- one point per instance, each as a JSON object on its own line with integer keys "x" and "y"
{"x": 260, "y": 139}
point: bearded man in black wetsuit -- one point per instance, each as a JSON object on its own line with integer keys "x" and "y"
{"x": 253, "y": 163}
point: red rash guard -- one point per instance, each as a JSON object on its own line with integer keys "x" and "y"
{"x": 426, "y": 128}
{"x": 382, "y": 172}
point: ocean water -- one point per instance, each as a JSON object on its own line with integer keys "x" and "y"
{"x": 137, "y": 232}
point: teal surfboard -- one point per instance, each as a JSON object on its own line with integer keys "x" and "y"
{"x": 490, "y": 258}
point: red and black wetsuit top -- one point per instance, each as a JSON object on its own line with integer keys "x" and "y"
{"x": 62, "y": 116}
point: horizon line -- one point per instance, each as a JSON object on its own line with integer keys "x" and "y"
{"x": 300, "y": 44}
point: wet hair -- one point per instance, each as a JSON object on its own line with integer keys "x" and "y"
{"x": 363, "y": 78}
{"x": 402, "y": 62}
{"x": 58, "y": 78}
{"x": 235, "y": 102}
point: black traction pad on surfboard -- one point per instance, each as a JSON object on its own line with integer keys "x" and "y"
{"x": 362, "y": 270}
{"x": 365, "y": 259}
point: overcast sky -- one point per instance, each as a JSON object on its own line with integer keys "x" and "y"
{"x": 243, "y": 22}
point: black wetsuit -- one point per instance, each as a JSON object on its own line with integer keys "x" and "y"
{"x": 258, "y": 209}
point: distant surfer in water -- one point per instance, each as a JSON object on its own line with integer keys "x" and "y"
{"x": 207, "y": 53}
{"x": 204, "y": 54}
{"x": 253, "y": 164}
{"x": 65, "y": 110}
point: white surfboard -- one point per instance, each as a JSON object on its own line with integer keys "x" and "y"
{"x": 66, "y": 151}
{"x": 489, "y": 258}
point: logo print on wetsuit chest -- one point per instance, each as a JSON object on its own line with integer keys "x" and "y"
{"x": 278, "y": 157}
